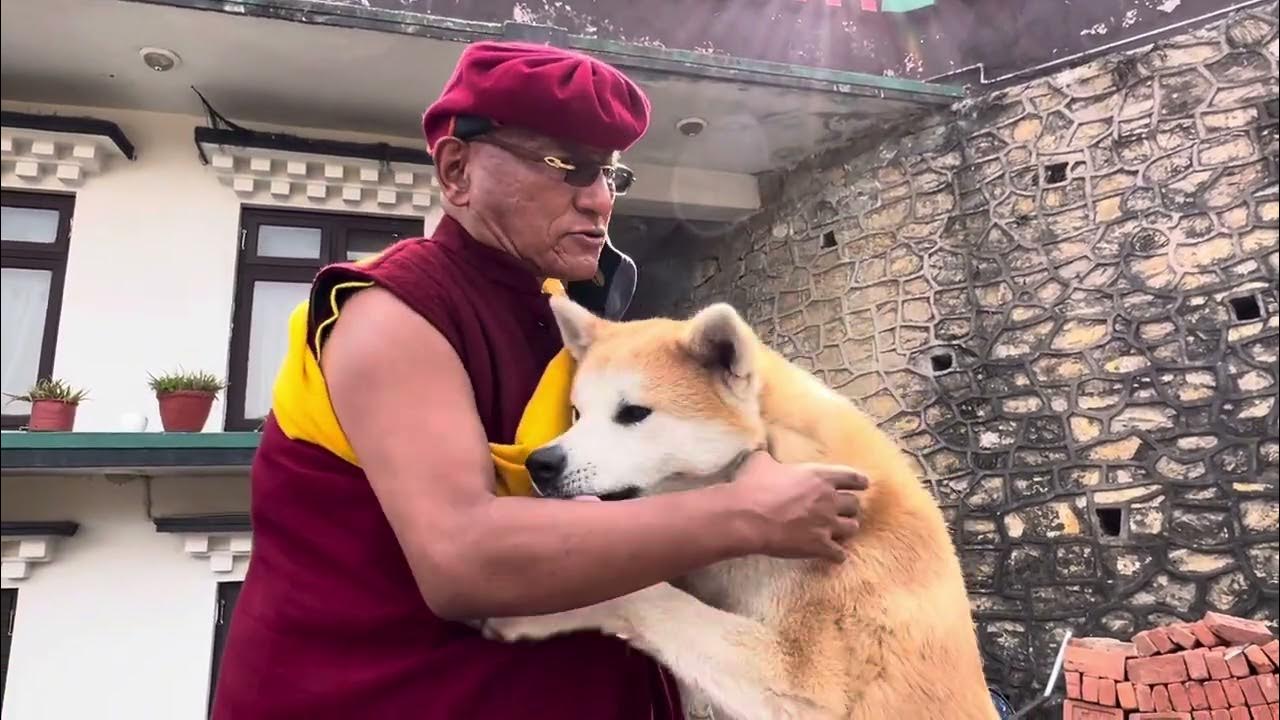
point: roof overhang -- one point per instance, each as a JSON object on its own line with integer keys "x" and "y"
{"x": 325, "y": 68}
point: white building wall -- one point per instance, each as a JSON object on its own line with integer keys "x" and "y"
{"x": 151, "y": 268}
{"x": 119, "y": 624}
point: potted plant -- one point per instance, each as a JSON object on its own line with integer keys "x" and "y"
{"x": 185, "y": 399}
{"x": 53, "y": 405}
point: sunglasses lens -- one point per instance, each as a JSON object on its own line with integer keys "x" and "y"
{"x": 620, "y": 179}
{"x": 582, "y": 176}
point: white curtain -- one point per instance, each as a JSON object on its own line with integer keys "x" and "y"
{"x": 268, "y": 338}
{"x": 289, "y": 242}
{"x": 24, "y": 301}
{"x": 35, "y": 225}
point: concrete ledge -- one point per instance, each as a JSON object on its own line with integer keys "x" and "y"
{"x": 25, "y": 453}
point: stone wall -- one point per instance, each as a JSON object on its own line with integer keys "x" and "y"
{"x": 1062, "y": 299}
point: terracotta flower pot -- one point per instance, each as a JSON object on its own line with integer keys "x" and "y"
{"x": 52, "y": 416}
{"x": 184, "y": 410}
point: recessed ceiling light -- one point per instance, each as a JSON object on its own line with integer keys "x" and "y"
{"x": 691, "y": 126}
{"x": 159, "y": 59}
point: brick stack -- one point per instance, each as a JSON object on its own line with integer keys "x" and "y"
{"x": 1217, "y": 668}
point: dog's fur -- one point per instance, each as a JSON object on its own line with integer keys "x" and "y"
{"x": 886, "y": 634}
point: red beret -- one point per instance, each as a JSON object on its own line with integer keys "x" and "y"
{"x": 555, "y": 92}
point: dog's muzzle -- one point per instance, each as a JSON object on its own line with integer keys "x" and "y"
{"x": 546, "y": 466}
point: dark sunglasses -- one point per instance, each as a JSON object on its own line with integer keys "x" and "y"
{"x": 617, "y": 177}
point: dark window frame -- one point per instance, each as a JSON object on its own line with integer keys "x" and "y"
{"x": 228, "y": 593}
{"x": 336, "y": 229}
{"x": 40, "y": 256}
{"x": 9, "y": 609}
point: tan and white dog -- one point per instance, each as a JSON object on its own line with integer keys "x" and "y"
{"x": 665, "y": 405}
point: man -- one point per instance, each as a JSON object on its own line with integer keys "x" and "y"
{"x": 380, "y": 526}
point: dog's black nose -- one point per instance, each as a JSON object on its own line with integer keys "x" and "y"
{"x": 546, "y": 465}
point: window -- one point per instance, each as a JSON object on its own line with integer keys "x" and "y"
{"x": 228, "y": 593}
{"x": 35, "y": 230}
{"x": 281, "y": 250}
{"x": 9, "y": 601}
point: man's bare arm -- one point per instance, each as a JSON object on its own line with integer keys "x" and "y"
{"x": 405, "y": 403}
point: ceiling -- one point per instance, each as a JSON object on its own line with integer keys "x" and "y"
{"x": 264, "y": 70}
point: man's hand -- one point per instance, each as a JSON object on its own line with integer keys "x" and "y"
{"x": 800, "y": 511}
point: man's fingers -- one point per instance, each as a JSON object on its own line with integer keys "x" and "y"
{"x": 834, "y": 552}
{"x": 845, "y": 528}
{"x": 841, "y": 477}
{"x": 847, "y": 504}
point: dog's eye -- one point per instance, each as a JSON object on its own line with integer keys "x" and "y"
{"x": 631, "y": 414}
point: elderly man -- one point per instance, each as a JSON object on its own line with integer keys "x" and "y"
{"x": 389, "y": 503}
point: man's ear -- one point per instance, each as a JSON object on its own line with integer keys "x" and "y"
{"x": 578, "y": 327}
{"x": 721, "y": 341}
{"x": 451, "y": 157}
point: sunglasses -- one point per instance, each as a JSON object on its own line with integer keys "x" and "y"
{"x": 617, "y": 177}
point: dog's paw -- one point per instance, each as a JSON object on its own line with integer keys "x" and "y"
{"x": 515, "y": 629}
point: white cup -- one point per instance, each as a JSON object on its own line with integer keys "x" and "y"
{"x": 133, "y": 422}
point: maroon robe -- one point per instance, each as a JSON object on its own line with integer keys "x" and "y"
{"x": 330, "y": 622}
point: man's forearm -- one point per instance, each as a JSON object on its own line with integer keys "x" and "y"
{"x": 526, "y": 556}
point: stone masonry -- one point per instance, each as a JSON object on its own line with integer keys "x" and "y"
{"x": 1062, "y": 299}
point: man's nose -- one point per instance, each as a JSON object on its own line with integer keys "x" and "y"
{"x": 595, "y": 199}
{"x": 546, "y": 465}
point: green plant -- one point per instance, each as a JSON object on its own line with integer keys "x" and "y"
{"x": 181, "y": 380}
{"x": 50, "y": 389}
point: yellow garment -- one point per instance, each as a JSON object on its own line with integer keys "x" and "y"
{"x": 300, "y": 399}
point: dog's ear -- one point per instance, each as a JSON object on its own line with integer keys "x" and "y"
{"x": 721, "y": 341}
{"x": 577, "y": 325}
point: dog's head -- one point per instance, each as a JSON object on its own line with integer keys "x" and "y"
{"x": 658, "y": 404}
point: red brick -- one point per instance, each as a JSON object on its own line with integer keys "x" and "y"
{"x": 1221, "y": 714}
{"x": 1143, "y": 693}
{"x": 1178, "y": 697}
{"x": 1235, "y": 696}
{"x": 1089, "y": 689}
{"x": 1160, "y": 638}
{"x": 1168, "y": 715}
{"x": 1100, "y": 657}
{"x": 1217, "y": 698}
{"x": 1275, "y": 710}
{"x": 1240, "y": 713}
{"x": 1160, "y": 698}
{"x": 1073, "y": 685}
{"x": 1237, "y": 630}
{"x": 1181, "y": 635}
{"x": 1204, "y": 634}
{"x": 1142, "y": 643}
{"x": 1259, "y": 660}
{"x": 1201, "y": 715}
{"x": 1270, "y": 685}
{"x": 1237, "y": 663}
{"x": 1260, "y": 712}
{"x": 1195, "y": 664}
{"x": 1272, "y": 649}
{"x": 1199, "y": 698}
{"x": 1126, "y": 696}
{"x": 1218, "y": 669}
{"x": 1076, "y": 710}
{"x": 1107, "y": 692}
{"x": 1158, "y": 669}
{"x": 1252, "y": 693}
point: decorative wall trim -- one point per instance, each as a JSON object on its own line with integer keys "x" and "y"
{"x": 232, "y": 522}
{"x": 275, "y": 169}
{"x": 220, "y": 539}
{"x": 54, "y": 152}
{"x": 220, "y": 549}
{"x": 25, "y": 543}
